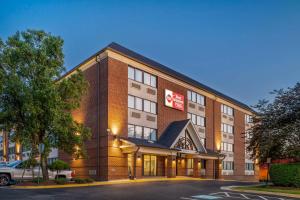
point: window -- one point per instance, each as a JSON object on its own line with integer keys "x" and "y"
{"x": 138, "y": 75}
{"x": 147, "y": 132}
{"x": 130, "y": 130}
{"x": 196, "y": 98}
{"x": 142, "y": 132}
{"x": 189, "y": 95}
{"x": 131, "y": 73}
{"x": 153, "y": 107}
{"x": 138, "y": 103}
{"x": 138, "y": 131}
{"x": 143, "y": 77}
{"x": 248, "y": 119}
{"x": 226, "y": 128}
{"x": 141, "y": 104}
{"x": 130, "y": 101}
{"x": 153, "y": 81}
{"x": 147, "y": 78}
{"x": 227, "y": 165}
{"x": 153, "y": 135}
{"x": 190, "y": 163}
{"x": 226, "y": 147}
{"x": 249, "y": 166}
{"x": 196, "y": 119}
{"x": 226, "y": 110}
{"x": 149, "y": 165}
{"x": 147, "y": 106}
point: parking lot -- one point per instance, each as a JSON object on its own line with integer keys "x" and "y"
{"x": 168, "y": 190}
{"x": 233, "y": 195}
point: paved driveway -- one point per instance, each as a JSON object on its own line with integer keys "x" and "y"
{"x": 179, "y": 190}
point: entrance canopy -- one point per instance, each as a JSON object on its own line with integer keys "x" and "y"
{"x": 179, "y": 137}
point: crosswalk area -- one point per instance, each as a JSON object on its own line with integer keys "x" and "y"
{"x": 232, "y": 195}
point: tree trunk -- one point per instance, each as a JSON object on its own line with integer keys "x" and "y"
{"x": 44, "y": 167}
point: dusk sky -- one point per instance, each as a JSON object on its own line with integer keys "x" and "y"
{"x": 244, "y": 49}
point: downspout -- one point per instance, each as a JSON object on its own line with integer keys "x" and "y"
{"x": 134, "y": 166}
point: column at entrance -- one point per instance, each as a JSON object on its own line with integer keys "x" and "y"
{"x": 196, "y": 171}
{"x": 171, "y": 166}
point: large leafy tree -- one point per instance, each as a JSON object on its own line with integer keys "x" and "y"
{"x": 34, "y": 102}
{"x": 276, "y": 133}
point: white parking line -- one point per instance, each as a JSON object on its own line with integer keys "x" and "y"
{"x": 262, "y": 197}
{"x": 244, "y": 196}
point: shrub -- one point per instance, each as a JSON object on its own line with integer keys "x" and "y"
{"x": 83, "y": 180}
{"x": 89, "y": 180}
{"x": 80, "y": 180}
{"x": 38, "y": 180}
{"x": 287, "y": 175}
{"x": 61, "y": 181}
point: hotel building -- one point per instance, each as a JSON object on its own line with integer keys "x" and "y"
{"x": 149, "y": 120}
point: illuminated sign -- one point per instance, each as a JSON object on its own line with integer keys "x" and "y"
{"x": 174, "y": 100}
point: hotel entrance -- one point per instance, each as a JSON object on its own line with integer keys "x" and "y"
{"x": 149, "y": 165}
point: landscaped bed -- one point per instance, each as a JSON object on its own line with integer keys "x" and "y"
{"x": 270, "y": 188}
{"x": 60, "y": 181}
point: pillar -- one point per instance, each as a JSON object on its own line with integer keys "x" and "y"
{"x": 196, "y": 167}
{"x": 171, "y": 166}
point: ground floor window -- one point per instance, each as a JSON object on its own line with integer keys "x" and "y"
{"x": 150, "y": 165}
{"x": 249, "y": 166}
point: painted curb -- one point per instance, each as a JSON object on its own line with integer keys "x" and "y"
{"x": 106, "y": 183}
{"x": 232, "y": 188}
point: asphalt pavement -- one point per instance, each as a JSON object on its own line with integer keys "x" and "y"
{"x": 179, "y": 190}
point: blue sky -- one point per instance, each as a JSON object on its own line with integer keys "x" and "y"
{"x": 244, "y": 49}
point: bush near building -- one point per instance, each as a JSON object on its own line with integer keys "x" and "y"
{"x": 287, "y": 175}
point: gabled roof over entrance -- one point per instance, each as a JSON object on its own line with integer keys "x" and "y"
{"x": 177, "y": 130}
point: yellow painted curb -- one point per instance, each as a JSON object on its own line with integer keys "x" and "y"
{"x": 115, "y": 182}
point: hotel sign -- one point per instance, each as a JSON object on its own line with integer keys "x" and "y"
{"x": 174, "y": 100}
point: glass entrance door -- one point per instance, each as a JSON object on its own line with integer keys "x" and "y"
{"x": 150, "y": 165}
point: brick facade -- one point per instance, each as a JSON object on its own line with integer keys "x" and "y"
{"x": 104, "y": 109}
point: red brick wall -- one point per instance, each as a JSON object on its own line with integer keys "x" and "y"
{"x": 87, "y": 114}
{"x": 117, "y": 117}
{"x": 167, "y": 115}
{"x": 239, "y": 143}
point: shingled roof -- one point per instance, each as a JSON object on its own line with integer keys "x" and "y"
{"x": 172, "y": 132}
{"x": 164, "y": 69}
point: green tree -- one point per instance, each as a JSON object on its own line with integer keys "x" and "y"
{"x": 34, "y": 102}
{"x": 276, "y": 133}
{"x": 59, "y": 165}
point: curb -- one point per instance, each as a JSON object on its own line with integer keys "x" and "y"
{"x": 117, "y": 182}
{"x": 232, "y": 188}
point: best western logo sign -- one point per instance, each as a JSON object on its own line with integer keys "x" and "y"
{"x": 174, "y": 100}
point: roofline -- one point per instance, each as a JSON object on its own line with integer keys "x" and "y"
{"x": 170, "y": 72}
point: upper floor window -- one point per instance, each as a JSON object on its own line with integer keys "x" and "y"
{"x": 249, "y": 166}
{"x": 226, "y": 110}
{"x": 141, "y": 76}
{"x": 197, "y": 98}
{"x": 248, "y": 118}
{"x": 142, "y": 132}
{"x": 226, "y": 128}
{"x": 226, "y": 147}
{"x": 196, "y": 119}
{"x": 141, "y": 104}
{"x": 227, "y": 165}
